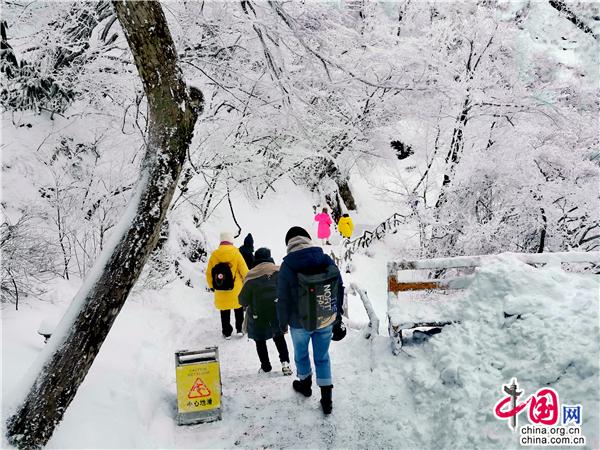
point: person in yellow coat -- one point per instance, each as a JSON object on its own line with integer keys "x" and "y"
{"x": 225, "y": 276}
{"x": 345, "y": 226}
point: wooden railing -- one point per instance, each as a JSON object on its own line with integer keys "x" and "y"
{"x": 396, "y": 286}
{"x": 472, "y": 261}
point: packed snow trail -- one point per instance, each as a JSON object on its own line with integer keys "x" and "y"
{"x": 131, "y": 387}
{"x": 437, "y": 394}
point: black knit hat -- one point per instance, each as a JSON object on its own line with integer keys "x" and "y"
{"x": 294, "y": 232}
{"x": 262, "y": 255}
{"x": 249, "y": 241}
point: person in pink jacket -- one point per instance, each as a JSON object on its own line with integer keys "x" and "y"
{"x": 323, "y": 231}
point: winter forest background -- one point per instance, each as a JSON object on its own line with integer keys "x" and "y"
{"x": 478, "y": 121}
{"x": 456, "y": 128}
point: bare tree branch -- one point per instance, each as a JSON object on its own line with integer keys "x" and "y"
{"x": 562, "y": 7}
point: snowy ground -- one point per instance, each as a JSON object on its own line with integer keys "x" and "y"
{"x": 127, "y": 401}
{"x": 429, "y": 397}
{"x": 436, "y": 394}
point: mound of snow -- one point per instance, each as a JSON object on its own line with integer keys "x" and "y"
{"x": 550, "y": 338}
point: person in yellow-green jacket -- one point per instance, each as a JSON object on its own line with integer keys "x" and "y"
{"x": 345, "y": 226}
{"x": 225, "y": 276}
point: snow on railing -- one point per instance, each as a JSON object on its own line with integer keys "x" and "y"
{"x": 407, "y": 321}
{"x": 372, "y": 328}
{"x": 473, "y": 261}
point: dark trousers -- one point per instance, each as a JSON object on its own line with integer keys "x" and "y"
{"x": 263, "y": 353}
{"x": 226, "y": 321}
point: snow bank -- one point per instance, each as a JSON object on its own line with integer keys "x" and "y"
{"x": 408, "y": 309}
{"x": 550, "y": 339}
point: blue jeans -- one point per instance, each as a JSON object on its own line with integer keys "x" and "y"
{"x": 320, "y": 344}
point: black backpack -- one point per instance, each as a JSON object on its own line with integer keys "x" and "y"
{"x": 317, "y": 297}
{"x": 222, "y": 277}
{"x": 263, "y": 308}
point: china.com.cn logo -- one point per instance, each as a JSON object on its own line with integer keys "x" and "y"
{"x": 544, "y": 407}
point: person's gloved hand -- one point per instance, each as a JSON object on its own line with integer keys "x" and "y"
{"x": 339, "y": 331}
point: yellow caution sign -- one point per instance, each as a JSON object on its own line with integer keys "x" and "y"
{"x": 198, "y": 387}
{"x": 198, "y": 377}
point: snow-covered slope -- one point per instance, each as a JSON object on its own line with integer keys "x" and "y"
{"x": 436, "y": 394}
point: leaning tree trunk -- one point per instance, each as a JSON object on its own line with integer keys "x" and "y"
{"x": 173, "y": 110}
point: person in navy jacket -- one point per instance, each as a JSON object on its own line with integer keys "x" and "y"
{"x": 303, "y": 257}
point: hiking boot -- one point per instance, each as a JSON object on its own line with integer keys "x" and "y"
{"x": 303, "y": 386}
{"x": 285, "y": 368}
{"x": 326, "y": 402}
{"x": 265, "y": 369}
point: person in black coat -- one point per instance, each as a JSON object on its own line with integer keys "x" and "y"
{"x": 258, "y": 296}
{"x": 247, "y": 250}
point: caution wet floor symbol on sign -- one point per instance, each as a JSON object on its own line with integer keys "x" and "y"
{"x": 198, "y": 387}
{"x": 199, "y": 390}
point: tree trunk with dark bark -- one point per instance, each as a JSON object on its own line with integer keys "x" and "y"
{"x": 173, "y": 110}
{"x": 455, "y": 151}
{"x": 543, "y": 231}
{"x": 457, "y": 144}
{"x": 346, "y": 194}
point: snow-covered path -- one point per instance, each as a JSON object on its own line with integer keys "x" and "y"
{"x": 128, "y": 398}
{"x": 439, "y": 394}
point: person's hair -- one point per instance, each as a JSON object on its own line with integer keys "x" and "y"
{"x": 324, "y": 209}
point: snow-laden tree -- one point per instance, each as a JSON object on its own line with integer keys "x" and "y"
{"x": 508, "y": 130}
{"x": 48, "y": 77}
{"x": 293, "y": 94}
{"x": 173, "y": 109}
{"x": 483, "y": 111}
{"x": 29, "y": 258}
